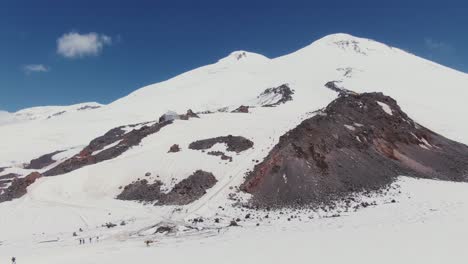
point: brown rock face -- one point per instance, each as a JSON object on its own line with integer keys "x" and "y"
{"x": 186, "y": 191}
{"x": 174, "y": 148}
{"x": 359, "y": 142}
{"x": 125, "y": 141}
{"x": 42, "y": 162}
{"x": 18, "y": 187}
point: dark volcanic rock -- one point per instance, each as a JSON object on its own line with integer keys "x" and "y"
{"x": 18, "y": 187}
{"x": 189, "y": 189}
{"x": 42, "y": 162}
{"x": 284, "y": 92}
{"x": 184, "y": 192}
{"x": 88, "y": 107}
{"x": 174, "y": 148}
{"x": 241, "y": 109}
{"x": 125, "y": 141}
{"x": 353, "y": 145}
{"x": 189, "y": 114}
{"x": 234, "y": 143}
{"x": 9, "y": 176}
{"x": 141, "y": 191}
{"x": 221, "y": 154}
{"x": 332, "y": 85}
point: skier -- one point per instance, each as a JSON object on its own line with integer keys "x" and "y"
{"x": 13, "y": 260}
{"x": 90, "y": 240}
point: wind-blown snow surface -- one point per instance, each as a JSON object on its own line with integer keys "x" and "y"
{"x": 56, "y": 206}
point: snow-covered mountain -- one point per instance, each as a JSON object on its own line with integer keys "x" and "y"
{"x": 90, "y": 154}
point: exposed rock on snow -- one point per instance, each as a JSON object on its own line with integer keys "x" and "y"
{"x": 125, "y": 141}
{"x": 221, "y": 154}
{"x": 88, "y": 107}
{"x": 333, "y": 85}
{"x": 42, "y": 162}
{"x": 189, "y": 189}
{"x": 234, "y": 143}
{"x": 142, "y": 191}
{"x": 184, "y": 192}
{"x": 174, "y": 148}
{"x": 323, "y": 160}
{"x": 189, "y": 114}
{"x": 18, "y": 187}
{"x": 241, "y": 109}
{"x": 275, "y": 96}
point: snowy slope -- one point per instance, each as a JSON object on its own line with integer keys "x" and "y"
{"x": 430, "y": 93}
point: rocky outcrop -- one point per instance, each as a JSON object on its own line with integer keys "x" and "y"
{"x": 184, "y": 192}
{"x": 96, "y": 151}
{"x": 189, "y": 190}
{"x": 241, "y": 109}
{"x": 18, "y": 187}
{"x": 220, "y": 154}
{"x": 174, "y": 148}
{"x": 42, "y": 162}
{"x": 359, "y": 142}
{"x": 275, "y": 96}
{"x": 188, "y": 115}
{"x": 333, "y": 85}
{"x": 141, "y": 191}
{"x": 234, "y": 143}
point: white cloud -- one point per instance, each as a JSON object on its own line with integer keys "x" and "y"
{"x": 30, "y": 68}
{"x": 76, "y": 45}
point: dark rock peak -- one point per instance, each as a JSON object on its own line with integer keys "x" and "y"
{"x": 354, "y": 144}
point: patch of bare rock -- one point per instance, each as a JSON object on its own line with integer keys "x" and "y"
{"x": 358, "y": 143}
{"x": 42, "y": 162}
{"x": 220, "y": 154}
{"x": 283, "y": 94}
{"x": 98, "y": 149}
{"x": 241, "y": 109}
{"x": 174, "y": 148}
{"x": 184, "y": 192}
{"x": 234, "y": 143}
{"x": 18, "y": 187}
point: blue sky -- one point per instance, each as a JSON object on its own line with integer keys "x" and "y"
{"x": 64, "y": 51}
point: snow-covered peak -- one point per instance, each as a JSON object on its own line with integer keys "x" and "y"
{"x": 350, "y": 43}
{"x": 47, "y": 112}
{"x": 241, "y": 56}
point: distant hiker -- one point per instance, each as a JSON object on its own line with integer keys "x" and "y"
{"x": 13, "y": 260}
{"x": 90, "y": 239}
{"x": 97, "y": 238}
